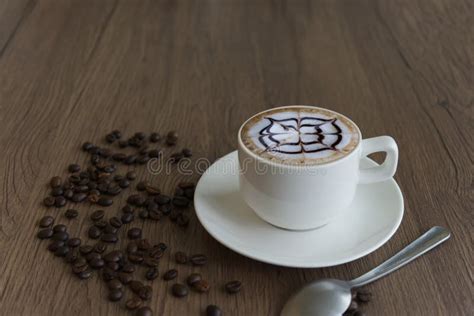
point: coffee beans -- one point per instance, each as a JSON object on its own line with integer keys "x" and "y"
{"x": 94, "y": 232}
{"x": 233, "y": 287}
{"x": 213, "y": 310}
{"x": 115, "y": 295}
{"x": 151, "y": 274}
{"x": 74, "y": 167}
{"x": 181, "y": 257}
{"x": 144, "y": 311}
{"x": 134, "y": 303}
{"x": 363, "y": 296}
{"x": 103, "y": 201}
{"x": 172, "y": 138}
{"x": 97, "y": 215}
{"x": 114, "y": 284}
{"x": 198, "y": 260}
{"x": 71, "y": 213}
{"x": 145, "y": 292}
{"x": 193, "y": 279}
{"x": 179, "y": 290}
{"x": 170, "y": 275}
{"x": 74, "y": 242}
{"x": 46, "y": 221}
{"x": 110, "y": 238}
{"x": 134, "y": 233}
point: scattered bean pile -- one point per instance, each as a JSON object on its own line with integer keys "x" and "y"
{"x": 359, "y": 297}
{"x": 98, "y": 184}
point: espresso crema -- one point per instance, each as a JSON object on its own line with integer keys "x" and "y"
{"x": 300, "y": 135}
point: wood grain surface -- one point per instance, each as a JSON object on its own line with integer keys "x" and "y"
{"x": 71, "y": 71}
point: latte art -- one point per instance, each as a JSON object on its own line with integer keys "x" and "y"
{"x": 300, "y": 135}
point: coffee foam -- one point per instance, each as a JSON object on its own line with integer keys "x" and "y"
{"x": 300, "y": 135}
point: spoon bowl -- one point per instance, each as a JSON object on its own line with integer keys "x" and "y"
{"x": 331, "y": 297}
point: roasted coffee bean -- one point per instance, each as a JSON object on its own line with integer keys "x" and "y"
{"x": 115, "y": 295}
{"x": 84, "y": 274}
{"x": 363, "y": 296}
{"x": 131, "y": 175}
{"x": 57, "y": 191}
{"x": 154, "y": 137}
{"x": 134, "y": 233}
{"x": 128, "y": 268}
{"x": 46, "y": 221}
{"x": 125, "y": 278}
{"x": 63, "y": 236}
{"x": 117, "y": 133}
{"x": 144, "y": 214}
{"x": 132, "y": 247}
{"x": 179, "y": 290}
{"x": 151, "y": 274}
{"x": 198, "y": 260}
{"x": 71, "y": 256}
{"x": 115, "y": 222}
{"x": 352, "y": 307}
{"x": 170, "y": 275}
{"x": 135, "y": 286}
{"x": 86, "y": 249}
{"x": 53, "y": 246}
{"x": 162, "y": 246}
{"x": 109, "y": 229}
{"x": 134, "y": 303}
{"x": 114, "y": 284}
{"x": 79, "y": 268}
{"x": 233, "y": 287}
{"x": 110, "y": 138}
{"x": 127, "y": 218}
{"x": 201, "y": 286}
{"x": 68, "y": 194}
{"x": 74, "y": 167}
{"x": 113, "y": 190}
{"x": 101, "y": 224}
{"x": 145, "y": 292}
{"x": 94, "y": 232}
{"x": 74, "y": 178}
{"x": 97, "y": 263}
{"x": 152, "y": 190}
{"x": 71, "y": 213}
{"x": 110, "y": 238}
{"x": 162, "y": 199}
{"x": 143, "y": 159}
{"x": 55, "y": 182}
{"x": 130, "y": 160}
{"x": 151, "y": 205}
{"x": 59, "y": 201}
{"x": 180, "y": 201}
{"x": 155, "y": 215}
{"x": 156, "y": 253}
{"x": 127, "y": 209}
{"x": 193, "y": 278}
{"x": 87, "y": 146}
{"x": 139, "y": 135}
{"x": 118, "y": 178}
{"x": 135, "y": 257}
{"x": 143, "y": 244}
{"x": 178, "y": 192}
{"x": 181, "y": 257}
{"x": 93, "y": 256}
{"x": 124, "y": 183}
{"x": 61, "y": 251}
{"x": 113, "y": 256}
{"x": 74, "y": 242}
{"x": 141, "y": 186}
{"x": 172, "y": 138}
{"x": 79, "y": 197}
{"x": 93, "y": 198}
{"x": 187, "y": 152}
{"x": 49, "y": 201}
{"x": 144, "y": 311}
{"x": 59, "y": 228}
{"x": 100, "y": 248}
{"x": 97, "y": 215}
{"x": 151, "y": 262}
{"x": 166, "y": 209}
{"x": 103, "y": 201}
{"x": 183, "y": 220}
{"x": 213, "y": 310}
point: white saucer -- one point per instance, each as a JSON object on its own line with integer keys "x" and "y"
{"x": 372, "y": 219}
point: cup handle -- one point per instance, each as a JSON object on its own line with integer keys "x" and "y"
{"x": 387, "y": 169}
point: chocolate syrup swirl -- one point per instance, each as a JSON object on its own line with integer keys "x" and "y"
{"x": 300, "y": 135}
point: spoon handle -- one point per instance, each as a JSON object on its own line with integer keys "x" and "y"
{"x": 423, "y": 244}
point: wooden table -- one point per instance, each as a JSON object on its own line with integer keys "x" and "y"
{"x": 72, "y": 71}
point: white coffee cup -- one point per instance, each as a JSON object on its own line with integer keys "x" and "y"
{"x": 310, "y": 196}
